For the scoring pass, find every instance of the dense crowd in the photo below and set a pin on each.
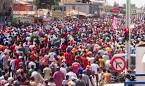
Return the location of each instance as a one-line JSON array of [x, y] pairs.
[[70, 52]]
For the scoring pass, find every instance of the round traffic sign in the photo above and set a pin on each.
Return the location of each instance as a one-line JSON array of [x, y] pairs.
[[118, 64]]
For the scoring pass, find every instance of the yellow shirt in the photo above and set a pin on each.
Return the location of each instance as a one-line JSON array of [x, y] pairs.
[[102, 63]]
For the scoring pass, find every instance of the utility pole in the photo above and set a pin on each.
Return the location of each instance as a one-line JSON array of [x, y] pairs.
[[129, 29]]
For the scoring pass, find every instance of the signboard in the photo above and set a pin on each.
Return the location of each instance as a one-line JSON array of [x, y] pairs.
[[118, 64]]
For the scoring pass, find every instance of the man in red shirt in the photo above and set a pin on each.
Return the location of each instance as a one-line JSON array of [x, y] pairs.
[[84, 61], [69, 58]]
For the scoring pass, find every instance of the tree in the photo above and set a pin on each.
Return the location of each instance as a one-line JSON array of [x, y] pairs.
[[47, 4], [85, 1]]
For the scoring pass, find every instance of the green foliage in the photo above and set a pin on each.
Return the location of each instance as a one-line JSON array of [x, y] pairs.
[[46, 4]]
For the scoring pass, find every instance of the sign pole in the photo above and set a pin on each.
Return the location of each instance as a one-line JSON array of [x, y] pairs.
[[129, 29]]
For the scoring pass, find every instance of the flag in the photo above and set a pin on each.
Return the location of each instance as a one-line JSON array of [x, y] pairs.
[[114, 23]]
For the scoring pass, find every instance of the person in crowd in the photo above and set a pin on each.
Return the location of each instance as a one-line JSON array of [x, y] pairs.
[[107, 77], [65, 82], [32, 53], [80, 81], [32, 82], [63, 69], [71, 74], [37, 77], [51, 82], [47, 73], [58, 77], [85, 77], [95, 68]]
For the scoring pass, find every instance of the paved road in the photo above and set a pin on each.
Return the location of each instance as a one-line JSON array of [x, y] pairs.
[[119, 84]]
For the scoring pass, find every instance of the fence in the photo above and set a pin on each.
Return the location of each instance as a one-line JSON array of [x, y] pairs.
[[136, 83]]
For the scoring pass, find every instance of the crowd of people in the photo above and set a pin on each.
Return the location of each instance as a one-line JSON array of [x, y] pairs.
[[69, 52]]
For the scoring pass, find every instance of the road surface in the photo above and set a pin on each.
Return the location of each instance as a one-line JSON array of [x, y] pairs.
[[118, 84]]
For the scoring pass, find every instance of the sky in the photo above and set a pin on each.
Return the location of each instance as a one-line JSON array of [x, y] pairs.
[[139, 3]]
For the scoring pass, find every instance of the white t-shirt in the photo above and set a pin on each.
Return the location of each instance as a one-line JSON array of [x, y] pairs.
[[63, 70], [31, 63], [71, 75], [51, 84], [37, 77], [12, 63], [52, 56], [94, 68]]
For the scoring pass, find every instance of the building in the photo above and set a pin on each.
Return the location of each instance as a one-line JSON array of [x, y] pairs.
[[83, 6], [81, 9], [5, 9], [5, 5], [23, 7]]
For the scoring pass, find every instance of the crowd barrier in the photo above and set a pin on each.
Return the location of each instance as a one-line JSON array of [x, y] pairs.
[[135, 83]]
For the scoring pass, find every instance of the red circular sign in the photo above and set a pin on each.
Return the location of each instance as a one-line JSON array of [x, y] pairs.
[[118, 64]]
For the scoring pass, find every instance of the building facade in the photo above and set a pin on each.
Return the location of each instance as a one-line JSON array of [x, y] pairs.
[[23, 7], [81, 8], [5, 5], [5, 9]]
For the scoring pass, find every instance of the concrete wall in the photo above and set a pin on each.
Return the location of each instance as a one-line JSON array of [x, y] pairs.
[[140, 67]]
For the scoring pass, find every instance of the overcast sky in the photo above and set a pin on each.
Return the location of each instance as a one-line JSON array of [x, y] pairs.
[[138, 3]]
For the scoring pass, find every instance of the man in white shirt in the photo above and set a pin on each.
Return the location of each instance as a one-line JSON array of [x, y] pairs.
[[94, 68], [32, 63], [63, 69], [52, 56], [71, 74], [37, 77]]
